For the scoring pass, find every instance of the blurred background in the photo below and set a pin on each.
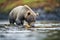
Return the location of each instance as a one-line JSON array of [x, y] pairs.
[[47, 9]]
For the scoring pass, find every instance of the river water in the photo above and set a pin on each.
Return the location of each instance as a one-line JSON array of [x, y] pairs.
[[15, 33]]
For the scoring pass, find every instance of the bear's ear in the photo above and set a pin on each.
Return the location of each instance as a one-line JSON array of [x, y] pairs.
[[28, 13]]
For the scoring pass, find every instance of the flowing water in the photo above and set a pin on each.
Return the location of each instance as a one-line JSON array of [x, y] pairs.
[[16, 33]]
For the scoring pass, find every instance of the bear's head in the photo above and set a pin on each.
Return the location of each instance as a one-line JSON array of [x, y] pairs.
[[30, 17]]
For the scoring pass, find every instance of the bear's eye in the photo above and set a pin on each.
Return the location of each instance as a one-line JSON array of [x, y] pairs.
[[29, 13]]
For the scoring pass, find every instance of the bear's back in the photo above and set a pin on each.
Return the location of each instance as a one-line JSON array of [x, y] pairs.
[[18, 11]]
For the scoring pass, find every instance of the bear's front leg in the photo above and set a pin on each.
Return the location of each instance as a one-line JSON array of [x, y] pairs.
[[11, 20], [19, 22]]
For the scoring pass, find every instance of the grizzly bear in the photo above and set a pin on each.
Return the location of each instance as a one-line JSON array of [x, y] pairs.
[[21, 13]]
